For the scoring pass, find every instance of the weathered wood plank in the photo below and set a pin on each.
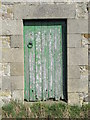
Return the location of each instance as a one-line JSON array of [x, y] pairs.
[[38, 35]]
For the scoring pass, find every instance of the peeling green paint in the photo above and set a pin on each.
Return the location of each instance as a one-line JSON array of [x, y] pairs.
[[43, 62]]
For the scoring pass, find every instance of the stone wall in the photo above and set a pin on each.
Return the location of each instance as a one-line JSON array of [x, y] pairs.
[[12, 52]]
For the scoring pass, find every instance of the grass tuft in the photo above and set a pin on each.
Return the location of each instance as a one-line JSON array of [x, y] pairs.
[[43, 110]]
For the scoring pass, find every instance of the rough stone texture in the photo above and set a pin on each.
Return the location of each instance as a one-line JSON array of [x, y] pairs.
[[77, 98], [6, 84], [17, 69], [81, 10], [17, 82], [47, 1], [5, 40], [18, 95], [12, 51], [28, 11], [11, 27], [77, 26], [78, 56], [74, 40], [7, 11], [12, 83], [12, 55], [78, 85], [0, 54], [0, 83], [73, 72], [0, 69], [73, 98], [84, 41], [16, 41], [5, 69], [0, 26]]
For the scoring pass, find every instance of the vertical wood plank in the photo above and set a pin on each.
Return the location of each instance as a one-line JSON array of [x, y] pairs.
[[44, 62], [26, 63], [51, 60], [38, 35], [32, 63], [58, 63]]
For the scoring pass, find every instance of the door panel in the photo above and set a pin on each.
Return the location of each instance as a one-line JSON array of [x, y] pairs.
[[43, 61], [38, 41]]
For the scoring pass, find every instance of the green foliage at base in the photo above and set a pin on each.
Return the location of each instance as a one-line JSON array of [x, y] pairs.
[[44, 110]]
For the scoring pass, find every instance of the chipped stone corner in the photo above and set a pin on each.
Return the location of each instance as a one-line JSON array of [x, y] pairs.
[[81, 10], [85, 40], [83, 98]]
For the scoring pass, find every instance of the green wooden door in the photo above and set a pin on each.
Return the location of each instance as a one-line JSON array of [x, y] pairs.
[[43, 61]]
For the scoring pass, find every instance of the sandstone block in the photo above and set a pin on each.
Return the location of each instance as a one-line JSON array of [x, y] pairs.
[[17, 82], [81, 10], [77, 26], [78, 85], [18, 95], [5, 41], [6, 83], [12, 55], [73, 99], [77, 56], [0, 82], [7, 11], [73, 72], [0, 54], [16, 41], [30, 11], [5, 69], [11, 27], [74, 40], [17, 69]]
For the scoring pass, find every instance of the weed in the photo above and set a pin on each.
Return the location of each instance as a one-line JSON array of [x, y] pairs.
[[44, 110]]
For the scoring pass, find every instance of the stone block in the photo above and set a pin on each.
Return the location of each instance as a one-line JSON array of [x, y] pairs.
[[17, 82], [73, 72], [41, 1], [0, 54], [0, 26], [12, 55], [31, 11], [0, 69], [0, 83], [0, 42], [83, 70], [17, 41], [5, 41], [17, 69], [77, 26], [6, 83], [81, 10], [35, 1], [12, 27], [78, 85], [84, 41], [73, 99], [77, 56], [7, 11], [18, 95], [74, 40], [89, 58], [5, 69], [5, 97]]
